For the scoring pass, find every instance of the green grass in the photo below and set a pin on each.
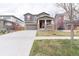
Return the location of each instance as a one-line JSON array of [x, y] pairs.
[[55, 33], [1, 33], [55, 48]]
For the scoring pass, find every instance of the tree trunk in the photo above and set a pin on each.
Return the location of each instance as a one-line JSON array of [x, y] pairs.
[[72, 31], [72, 27]]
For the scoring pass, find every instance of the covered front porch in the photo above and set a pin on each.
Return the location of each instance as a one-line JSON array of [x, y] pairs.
[[45, 23]]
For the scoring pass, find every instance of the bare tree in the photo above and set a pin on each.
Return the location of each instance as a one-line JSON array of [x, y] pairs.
[[71, 11], [68, 7]]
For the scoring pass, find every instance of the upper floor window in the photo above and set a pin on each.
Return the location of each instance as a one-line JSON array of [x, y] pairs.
[[29, 17], [6, 17]]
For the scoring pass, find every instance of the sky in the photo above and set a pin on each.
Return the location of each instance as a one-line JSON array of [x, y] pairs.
[[19, 9]]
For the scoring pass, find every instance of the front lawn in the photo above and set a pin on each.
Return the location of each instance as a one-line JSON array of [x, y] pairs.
[[55, 33], [55, 48]]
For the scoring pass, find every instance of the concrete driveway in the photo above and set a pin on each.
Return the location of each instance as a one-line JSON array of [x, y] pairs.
[[17, 43]]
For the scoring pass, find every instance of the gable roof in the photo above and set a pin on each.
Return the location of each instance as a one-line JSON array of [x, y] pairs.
[[36, 14], [27, 14], [46, 17], [43, 13]]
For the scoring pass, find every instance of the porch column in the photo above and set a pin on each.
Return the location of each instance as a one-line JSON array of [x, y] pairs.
[[38, 25], [45, 24], [53, 26]]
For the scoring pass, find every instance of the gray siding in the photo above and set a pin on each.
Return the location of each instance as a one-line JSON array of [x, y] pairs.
[[30, 22]]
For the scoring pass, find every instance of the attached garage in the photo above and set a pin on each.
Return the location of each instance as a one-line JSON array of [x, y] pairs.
[[31, 26]]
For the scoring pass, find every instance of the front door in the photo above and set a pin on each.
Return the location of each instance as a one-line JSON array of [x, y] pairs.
[[42, 24]]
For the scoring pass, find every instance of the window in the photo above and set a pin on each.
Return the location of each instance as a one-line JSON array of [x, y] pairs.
[[29, 17], [8, 24], [48, 22], [5, 17]]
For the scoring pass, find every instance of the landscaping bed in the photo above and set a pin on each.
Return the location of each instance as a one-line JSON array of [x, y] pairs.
[[55, 48]]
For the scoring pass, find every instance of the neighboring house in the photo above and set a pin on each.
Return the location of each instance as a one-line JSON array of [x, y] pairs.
[[10, 23], [42, 21], [67, 25], [11, 18], [59, 21], [6, 25]]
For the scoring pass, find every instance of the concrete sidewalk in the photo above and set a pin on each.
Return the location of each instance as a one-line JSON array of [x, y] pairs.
[[17, 43], [54, 37]]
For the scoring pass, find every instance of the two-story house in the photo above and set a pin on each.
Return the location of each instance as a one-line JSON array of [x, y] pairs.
[[59, 22], [42, 21]]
